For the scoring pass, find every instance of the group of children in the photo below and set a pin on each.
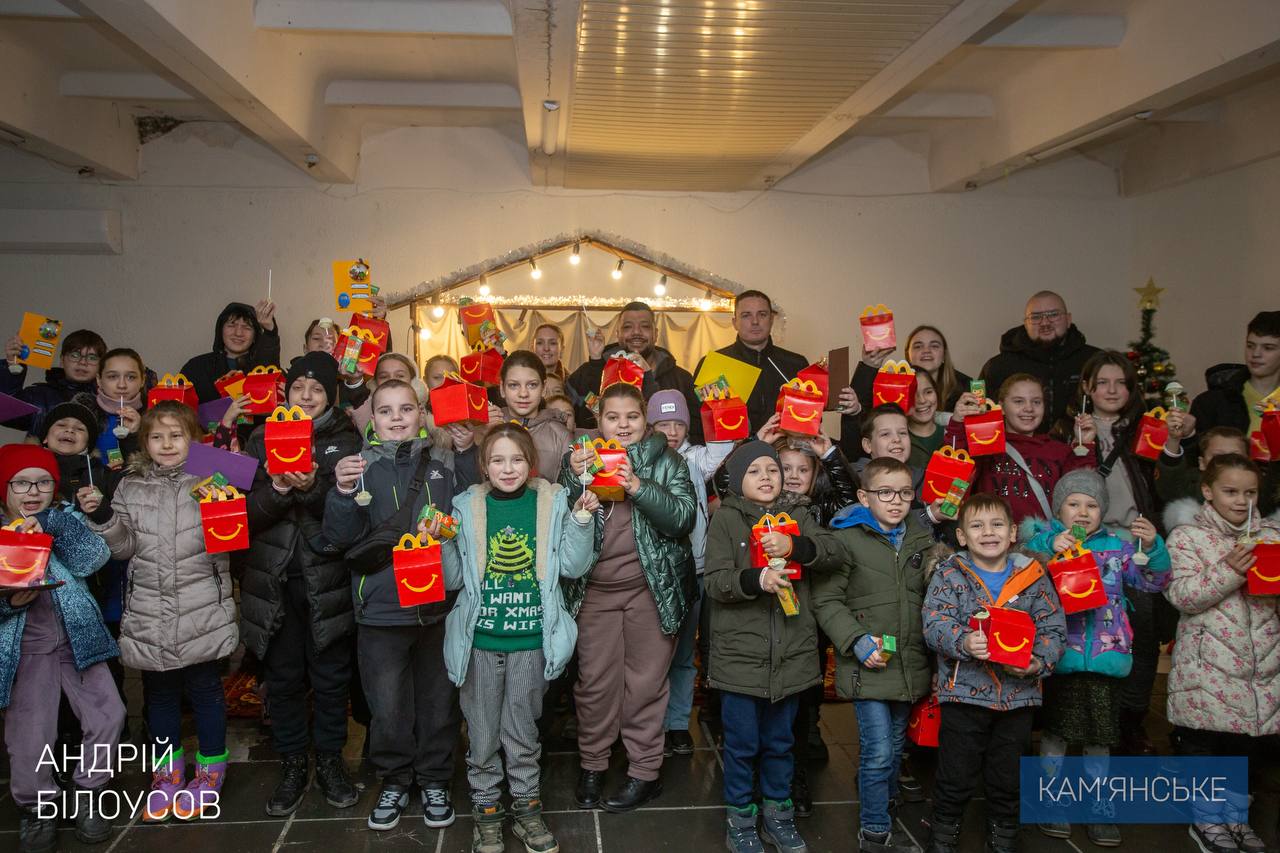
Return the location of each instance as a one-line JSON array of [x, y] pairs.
[[544, 576]]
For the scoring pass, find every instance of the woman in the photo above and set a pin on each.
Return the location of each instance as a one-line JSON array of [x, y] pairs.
[[548, 345]]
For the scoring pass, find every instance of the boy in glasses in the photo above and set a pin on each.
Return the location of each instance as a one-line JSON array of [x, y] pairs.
[[82, 353], [870, 608]]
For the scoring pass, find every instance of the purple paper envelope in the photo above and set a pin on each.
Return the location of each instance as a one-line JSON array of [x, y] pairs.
[[212, 411], [205, 460], [12, 407]]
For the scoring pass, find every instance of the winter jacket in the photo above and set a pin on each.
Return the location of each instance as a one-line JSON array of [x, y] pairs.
[[54, 390], [663, 516], [757, 650], [1222, 403], [1058, 366], [1226, 658], [76, 554], [835, 484], [203, 370], [285, 536], [178, 607], [108, 583], [956, 593], [704, 460], [564, 551], [1140, 472], [1101, 640], [998, 474], [777, 367], [876, 590], [664, 374], [550, 439]]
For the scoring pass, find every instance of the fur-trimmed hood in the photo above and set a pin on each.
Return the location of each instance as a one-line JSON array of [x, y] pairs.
[[1187, 511]]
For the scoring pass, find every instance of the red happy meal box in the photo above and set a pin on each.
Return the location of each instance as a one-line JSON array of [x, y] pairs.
[[476, 318], [1259, 451], [264, 386], [230, 384], [985, 432], [23, 556], [286, 437], [482, 366], [945, 465], [819, 376], [174, 387], [379, 330], [456, 400], [1271, 428], [800, 403], [1264, 574], [1010, 634], [769, 523], [1153, 432], [1077, 579], [225, 520], [724, 418], [895, 384], [356, 351], [419, 572], [607, 485], [621, 369], [877, 328], [924, 722]]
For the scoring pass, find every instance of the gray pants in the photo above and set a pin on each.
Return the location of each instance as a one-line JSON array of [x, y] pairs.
[[501, 699], [31, 723]]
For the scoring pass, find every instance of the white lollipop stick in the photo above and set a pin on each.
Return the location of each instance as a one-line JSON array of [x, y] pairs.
[[268, 285]]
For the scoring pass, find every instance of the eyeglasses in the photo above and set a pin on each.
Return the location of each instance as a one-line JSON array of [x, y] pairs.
[[22, 487], [84, 357], [887, 495], [1046, 316]]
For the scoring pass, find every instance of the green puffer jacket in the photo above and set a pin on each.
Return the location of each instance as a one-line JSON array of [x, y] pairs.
[[756, 650], [664, 517], [878, 591]]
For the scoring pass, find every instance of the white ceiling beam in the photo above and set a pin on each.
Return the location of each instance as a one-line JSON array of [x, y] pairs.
[[1170, 55], [120, 86], [60, 232], [271, 90], [94, 135], [35, 9], [943, 105], [417, 17], [546, 41], [1050, 32], [396, 93]]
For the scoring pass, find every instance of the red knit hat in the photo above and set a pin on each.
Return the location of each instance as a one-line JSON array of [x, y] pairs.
[[16, 457]]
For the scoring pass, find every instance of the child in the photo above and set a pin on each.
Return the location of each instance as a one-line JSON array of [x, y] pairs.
[[986, 711], [1178, 478], [876, 593], [1025, 474], [926, 432], [1084, 701], [244, 337], [563, 407], [436, 369], [401, 650], [631, 605], [523, 376], [391, 365], [295, 600], [517, 537], [179, 616], [669, 413], [1225, 675], [761, 659], [53, 642], [120, 400], [81, 355]]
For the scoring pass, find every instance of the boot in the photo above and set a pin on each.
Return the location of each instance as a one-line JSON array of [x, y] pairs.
[[293, 784], [529, 827], [590, 789], [780, 827], [91, 826], [1002, 837], [166, 781], [801, 798], [740, 830], [1133, 734], [36, 834], [882, 842], [943, 835], [331, 774], [486, 828], [204, 790]]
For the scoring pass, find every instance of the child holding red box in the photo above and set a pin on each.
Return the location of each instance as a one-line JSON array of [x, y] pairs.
[[1083, 702], [524, 380], [986, 709], [180, 618], [1224, 685], [510, 633]]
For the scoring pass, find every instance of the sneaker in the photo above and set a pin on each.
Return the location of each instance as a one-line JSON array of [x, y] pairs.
[[668, 748], [437, 810], [882, 842], [909, 787], [740, 830], [780, 827], [486, 828], [203, 790], [530, 828], [1246, 839], [1213, 838], [1108, 835], [36, 834], [680, 742], [292, 787], [1055, 830], [392, 802], [335, 784]]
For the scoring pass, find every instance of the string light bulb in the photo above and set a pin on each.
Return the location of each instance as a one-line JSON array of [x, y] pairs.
[[617, 271], [575, 258], [660, 289], [425, 333], [704, 304], [484, 290], [437, 311], [534, 272]]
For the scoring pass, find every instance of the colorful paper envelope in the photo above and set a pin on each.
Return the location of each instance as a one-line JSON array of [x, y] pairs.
[[352, 285], [39, 335], [742, 377]]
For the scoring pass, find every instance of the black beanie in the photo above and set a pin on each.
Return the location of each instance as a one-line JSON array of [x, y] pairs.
[[319, 366], [83, 407], [740, 460]]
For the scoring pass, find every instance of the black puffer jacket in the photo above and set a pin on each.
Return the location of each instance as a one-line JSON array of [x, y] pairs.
[[777, 367], [285, 535], [1058, 366], [664, 375], [203, 370], [1222, 404]]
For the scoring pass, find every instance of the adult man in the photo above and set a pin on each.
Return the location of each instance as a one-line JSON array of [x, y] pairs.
[[638, 333], [1048, 346], [1236, 391], [82, 352], [753, 321]]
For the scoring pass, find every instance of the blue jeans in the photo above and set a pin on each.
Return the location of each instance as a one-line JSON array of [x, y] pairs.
[[882, 728], [683, 673], [203, 685], [757, 732]]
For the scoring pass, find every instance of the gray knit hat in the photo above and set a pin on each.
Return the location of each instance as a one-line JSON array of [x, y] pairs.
[[1084, 481], [740, 460]]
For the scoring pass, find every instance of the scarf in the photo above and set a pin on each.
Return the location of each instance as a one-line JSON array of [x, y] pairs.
[[111, 405]]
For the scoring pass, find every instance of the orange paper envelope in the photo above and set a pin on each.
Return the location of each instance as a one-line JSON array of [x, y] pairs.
[[39, 335]]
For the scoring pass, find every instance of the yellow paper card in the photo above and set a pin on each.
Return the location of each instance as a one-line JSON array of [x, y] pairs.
[[39, 336], [352, 285], [742, 377]]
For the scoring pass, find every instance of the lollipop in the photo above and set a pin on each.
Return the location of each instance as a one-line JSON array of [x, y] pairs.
[[1139, 557], [120, 431], [1080, 449], [15, 367], [363, 498]]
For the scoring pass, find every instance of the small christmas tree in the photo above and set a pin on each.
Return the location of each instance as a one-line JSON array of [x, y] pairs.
[[1155, 370]]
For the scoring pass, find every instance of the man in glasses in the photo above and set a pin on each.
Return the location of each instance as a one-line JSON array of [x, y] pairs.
[[1048, 346], [82, 352]]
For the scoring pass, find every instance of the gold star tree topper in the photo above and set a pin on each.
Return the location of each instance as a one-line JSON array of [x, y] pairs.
[[1149, 296]]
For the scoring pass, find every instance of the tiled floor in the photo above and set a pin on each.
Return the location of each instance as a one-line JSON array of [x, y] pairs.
[[688, 816]]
